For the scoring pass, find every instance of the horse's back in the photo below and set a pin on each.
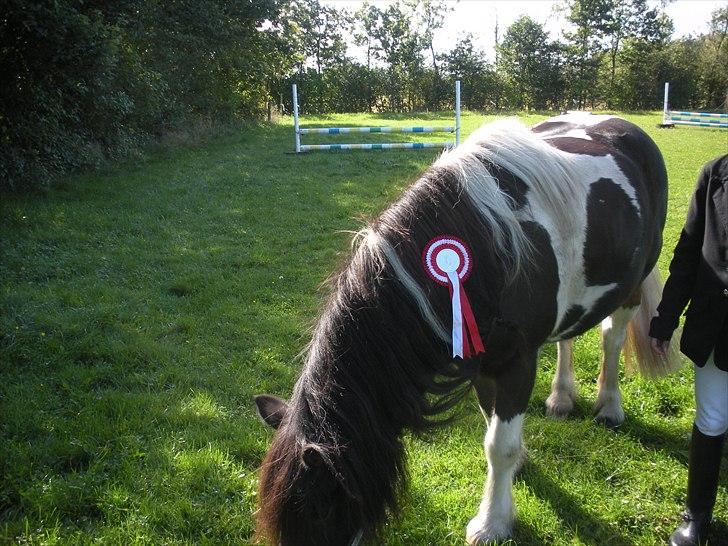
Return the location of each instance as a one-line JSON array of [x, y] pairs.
[[618, 238], [639, 159], [635, 152]]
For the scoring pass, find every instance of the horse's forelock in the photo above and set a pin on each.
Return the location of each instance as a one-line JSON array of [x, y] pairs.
[[301, 460]]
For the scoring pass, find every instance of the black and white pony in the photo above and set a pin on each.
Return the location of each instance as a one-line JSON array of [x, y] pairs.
[[564, 226]]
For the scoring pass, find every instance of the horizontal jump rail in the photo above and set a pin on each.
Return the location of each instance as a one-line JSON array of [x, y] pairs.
[[378, 146], [698, 114], [700, 120], [341, 130], [699, 123]]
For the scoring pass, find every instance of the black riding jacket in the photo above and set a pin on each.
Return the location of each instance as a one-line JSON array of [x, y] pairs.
[[699, 273]]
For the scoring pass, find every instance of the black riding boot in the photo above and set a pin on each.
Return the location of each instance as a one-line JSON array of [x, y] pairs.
[[704, 465]]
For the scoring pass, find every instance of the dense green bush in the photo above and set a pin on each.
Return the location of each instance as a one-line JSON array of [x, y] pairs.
[[89, 81]]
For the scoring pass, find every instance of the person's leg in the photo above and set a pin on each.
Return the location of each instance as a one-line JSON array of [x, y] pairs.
[[711, 399], [711, 423]]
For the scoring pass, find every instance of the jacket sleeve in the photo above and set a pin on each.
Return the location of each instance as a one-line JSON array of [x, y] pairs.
[[684, 266]]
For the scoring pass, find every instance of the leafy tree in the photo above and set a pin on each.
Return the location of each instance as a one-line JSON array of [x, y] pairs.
[[643, 61], [530, 63], [318, 33], [366, 20], [714, 62], [630, 20], [591, 20], [480, 84], [400, 48], [680, 67], [429, 16]]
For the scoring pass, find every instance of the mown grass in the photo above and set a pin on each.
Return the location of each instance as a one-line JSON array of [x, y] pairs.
[[141, 308]]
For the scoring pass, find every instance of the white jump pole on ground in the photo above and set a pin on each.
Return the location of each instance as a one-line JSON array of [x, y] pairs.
[[295, 119], [457, 113], [665, 119]]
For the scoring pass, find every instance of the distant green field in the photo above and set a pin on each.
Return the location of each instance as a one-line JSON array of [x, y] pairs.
[[143, 307]]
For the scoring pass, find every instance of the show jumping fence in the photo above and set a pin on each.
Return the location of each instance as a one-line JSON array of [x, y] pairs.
[[387, 129], [701, 119]]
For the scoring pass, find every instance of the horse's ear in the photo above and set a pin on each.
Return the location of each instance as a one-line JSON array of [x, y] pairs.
[[271, 409]]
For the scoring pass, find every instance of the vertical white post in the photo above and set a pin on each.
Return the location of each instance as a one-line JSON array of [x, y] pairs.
[[295, 119], [665, 119], [457, 113]]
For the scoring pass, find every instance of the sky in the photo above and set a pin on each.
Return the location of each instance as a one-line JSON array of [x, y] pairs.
[[478, 18]]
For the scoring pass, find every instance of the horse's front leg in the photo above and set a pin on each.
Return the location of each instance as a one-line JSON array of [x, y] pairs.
[[504, 450], [560, 402], [608, 407]]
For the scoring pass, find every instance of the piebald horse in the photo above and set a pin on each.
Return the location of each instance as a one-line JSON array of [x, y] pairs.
[[560, 228]]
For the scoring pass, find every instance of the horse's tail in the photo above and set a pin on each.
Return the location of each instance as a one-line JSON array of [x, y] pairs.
[[637, 346]]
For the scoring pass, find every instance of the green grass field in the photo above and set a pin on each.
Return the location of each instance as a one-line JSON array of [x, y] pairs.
[[143, 307]]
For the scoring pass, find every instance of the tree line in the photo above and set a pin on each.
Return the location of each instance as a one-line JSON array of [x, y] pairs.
[[88, 81], [614, 54]]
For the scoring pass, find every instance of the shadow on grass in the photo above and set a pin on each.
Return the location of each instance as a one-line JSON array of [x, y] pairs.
[[591, 530], [662, 439], [674, 445]]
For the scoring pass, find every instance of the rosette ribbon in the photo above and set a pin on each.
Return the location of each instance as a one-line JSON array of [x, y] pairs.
[[447, 261]]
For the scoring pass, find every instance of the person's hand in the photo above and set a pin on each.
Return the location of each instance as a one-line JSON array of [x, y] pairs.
[[660, 346]]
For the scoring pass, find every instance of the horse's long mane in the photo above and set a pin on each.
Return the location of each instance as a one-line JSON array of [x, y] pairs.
[[549, 176], [379, 361]]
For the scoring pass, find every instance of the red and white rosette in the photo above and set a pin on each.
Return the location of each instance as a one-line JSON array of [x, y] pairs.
[[447, 261]]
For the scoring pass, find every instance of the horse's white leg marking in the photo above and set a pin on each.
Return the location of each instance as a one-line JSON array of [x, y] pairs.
[[504, 451], [608, 407], [563, 393]]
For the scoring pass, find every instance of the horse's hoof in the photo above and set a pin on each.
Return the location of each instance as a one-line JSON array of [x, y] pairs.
[[559, 406], [608, 423], [609, 419], [608, 411], [480, 532]]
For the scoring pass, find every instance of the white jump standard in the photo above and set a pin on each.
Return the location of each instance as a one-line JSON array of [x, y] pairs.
[[699, 119], [300, 148]]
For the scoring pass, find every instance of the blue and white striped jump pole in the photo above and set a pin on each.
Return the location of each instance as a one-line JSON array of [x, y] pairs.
[[699, 114], [665, 115], [386, 129], [699, 123], [700, 119], [375, 146]]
